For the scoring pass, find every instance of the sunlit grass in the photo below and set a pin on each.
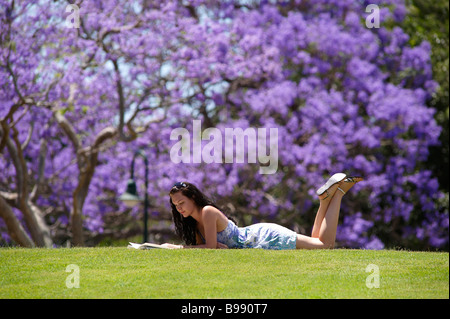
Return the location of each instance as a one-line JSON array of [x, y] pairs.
[[195, 273]]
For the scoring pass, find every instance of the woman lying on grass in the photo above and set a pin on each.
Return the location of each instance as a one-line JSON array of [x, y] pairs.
[[202, 225]]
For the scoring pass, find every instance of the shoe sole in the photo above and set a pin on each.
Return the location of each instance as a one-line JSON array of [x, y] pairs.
[[336, 178]]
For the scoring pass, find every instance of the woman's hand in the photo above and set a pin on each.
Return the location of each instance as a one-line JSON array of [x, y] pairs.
[[221, 246]]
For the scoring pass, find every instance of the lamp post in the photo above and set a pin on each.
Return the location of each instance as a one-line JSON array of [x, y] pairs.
[[131, 198]]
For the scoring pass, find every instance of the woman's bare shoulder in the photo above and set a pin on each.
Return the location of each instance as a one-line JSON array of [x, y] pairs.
[[212, 212]]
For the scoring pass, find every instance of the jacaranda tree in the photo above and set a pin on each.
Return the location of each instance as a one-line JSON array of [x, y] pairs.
[[85, 84]]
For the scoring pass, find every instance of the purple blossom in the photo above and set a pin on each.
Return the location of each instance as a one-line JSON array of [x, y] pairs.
[[343, 97]]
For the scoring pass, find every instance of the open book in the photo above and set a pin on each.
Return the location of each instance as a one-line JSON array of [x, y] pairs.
[[146, 246]]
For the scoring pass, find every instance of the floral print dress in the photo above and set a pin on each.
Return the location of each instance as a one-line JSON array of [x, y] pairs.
[[261, 235]]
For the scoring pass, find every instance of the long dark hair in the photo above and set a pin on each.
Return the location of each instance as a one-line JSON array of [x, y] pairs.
[[186, 227]]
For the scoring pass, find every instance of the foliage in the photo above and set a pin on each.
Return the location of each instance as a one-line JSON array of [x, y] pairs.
[[429, 21], [77, 102]]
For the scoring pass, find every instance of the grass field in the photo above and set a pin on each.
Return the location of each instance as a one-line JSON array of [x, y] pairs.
[[195, 273]]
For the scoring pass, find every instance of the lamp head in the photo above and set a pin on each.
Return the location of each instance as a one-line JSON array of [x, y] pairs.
[[130, 198]]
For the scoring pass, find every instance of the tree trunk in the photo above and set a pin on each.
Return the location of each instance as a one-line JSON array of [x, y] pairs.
[[39, 231], [13, 225], [87, 161], [79, 196], [39, 224]]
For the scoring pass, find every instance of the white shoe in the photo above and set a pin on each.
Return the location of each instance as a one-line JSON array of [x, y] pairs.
[[336, 178]]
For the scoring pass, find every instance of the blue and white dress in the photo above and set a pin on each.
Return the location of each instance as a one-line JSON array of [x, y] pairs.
[[262, 235]]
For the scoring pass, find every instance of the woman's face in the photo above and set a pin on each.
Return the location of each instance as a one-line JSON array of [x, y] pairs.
[[184, 205]]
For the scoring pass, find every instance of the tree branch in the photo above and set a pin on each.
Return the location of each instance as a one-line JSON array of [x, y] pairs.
[[15, 229], [67, 128]]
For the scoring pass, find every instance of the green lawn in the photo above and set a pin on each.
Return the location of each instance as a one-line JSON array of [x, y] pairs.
[[195, 273]]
